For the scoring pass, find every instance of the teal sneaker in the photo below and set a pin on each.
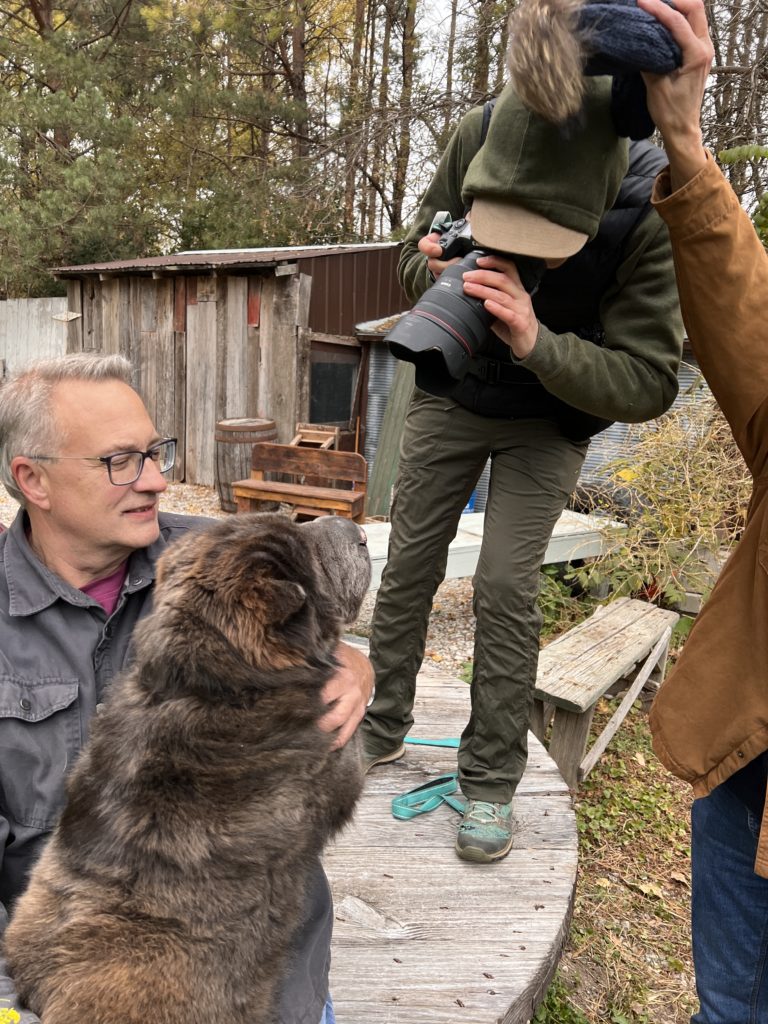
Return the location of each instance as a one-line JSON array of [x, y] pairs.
[[370, 760], [485, 833]]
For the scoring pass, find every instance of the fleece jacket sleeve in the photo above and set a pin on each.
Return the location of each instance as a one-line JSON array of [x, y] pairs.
[[632, 377], [442, 193]]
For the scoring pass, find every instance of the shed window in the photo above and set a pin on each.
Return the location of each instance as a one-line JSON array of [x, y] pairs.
[[332, 382]]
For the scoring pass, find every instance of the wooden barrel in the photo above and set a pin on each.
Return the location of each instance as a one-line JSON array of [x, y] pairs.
[[234, 442]]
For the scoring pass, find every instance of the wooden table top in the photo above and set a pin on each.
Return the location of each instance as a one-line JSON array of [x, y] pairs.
[[422, 937]]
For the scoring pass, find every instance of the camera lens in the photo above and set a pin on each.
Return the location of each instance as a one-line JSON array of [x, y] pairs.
[[444, 330]]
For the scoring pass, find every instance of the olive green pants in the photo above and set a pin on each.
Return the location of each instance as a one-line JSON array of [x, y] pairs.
[[534, 470]]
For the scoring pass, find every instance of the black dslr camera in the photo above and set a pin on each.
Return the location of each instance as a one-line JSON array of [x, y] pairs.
[[446, 328]]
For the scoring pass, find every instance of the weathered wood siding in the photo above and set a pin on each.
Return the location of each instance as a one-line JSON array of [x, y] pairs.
[[29, 332], [134, 317], [210, 343], [204, 348]]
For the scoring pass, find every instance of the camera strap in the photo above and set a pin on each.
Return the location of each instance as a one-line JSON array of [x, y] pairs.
[[494, 371]]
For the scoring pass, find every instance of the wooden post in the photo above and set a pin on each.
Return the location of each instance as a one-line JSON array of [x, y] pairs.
[[387, 458]]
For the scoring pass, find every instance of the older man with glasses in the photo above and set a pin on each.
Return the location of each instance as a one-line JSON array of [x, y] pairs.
[[79, 452]]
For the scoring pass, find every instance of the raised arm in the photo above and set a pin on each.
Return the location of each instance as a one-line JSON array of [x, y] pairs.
[[442, 193], [721, 265]]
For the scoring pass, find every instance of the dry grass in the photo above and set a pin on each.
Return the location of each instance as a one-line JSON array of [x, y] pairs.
[[682, 489], [628, 958]]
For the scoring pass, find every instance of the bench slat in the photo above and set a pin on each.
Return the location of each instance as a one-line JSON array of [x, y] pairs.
[[324, 462], [318, 497], [581, 666], [277, 487]]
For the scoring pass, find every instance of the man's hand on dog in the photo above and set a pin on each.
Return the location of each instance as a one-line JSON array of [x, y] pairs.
[[347, 694]]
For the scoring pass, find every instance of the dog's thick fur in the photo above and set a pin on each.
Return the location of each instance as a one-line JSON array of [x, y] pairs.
[[546, 56], [175, 878]]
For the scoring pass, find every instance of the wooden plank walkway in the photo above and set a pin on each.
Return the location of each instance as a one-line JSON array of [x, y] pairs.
[[575, 536], [421, 937]]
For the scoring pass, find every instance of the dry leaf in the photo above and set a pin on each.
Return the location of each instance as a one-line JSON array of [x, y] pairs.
[[651, 889]]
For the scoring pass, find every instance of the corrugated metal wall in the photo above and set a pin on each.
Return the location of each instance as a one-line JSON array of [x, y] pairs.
[[609, 445]]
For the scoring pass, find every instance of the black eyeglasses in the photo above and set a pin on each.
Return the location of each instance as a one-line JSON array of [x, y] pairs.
[[125, 468]]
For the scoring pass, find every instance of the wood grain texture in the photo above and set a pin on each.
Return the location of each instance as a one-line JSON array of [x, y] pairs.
[[421, 937], [200, 390], [579, 667], [387, 460], [278, 352]]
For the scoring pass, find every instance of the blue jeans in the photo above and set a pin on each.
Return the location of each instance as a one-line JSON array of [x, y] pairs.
[[729, 912], [328, 1017]]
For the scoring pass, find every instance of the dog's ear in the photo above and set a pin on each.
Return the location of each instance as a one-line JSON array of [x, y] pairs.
[[281, 599]]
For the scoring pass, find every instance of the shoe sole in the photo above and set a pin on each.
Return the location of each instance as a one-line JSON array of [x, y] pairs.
[[478, 856], [395, 755]]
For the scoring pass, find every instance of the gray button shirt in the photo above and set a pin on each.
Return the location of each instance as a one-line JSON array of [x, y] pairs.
[[59, 652]]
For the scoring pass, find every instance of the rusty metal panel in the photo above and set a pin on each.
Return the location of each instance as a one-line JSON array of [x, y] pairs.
[[350, 287]]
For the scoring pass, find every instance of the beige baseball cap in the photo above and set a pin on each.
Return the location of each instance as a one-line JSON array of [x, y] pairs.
[[538, 189]]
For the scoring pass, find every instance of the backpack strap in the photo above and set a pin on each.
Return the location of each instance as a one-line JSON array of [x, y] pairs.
[[487, 111]]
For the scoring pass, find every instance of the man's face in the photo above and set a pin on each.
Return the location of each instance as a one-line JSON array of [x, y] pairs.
[[86, 509]]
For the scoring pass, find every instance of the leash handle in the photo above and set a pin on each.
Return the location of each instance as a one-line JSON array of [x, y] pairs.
[[427, 797]]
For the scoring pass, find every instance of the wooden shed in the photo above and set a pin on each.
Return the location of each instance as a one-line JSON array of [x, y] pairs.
[[237, 333]]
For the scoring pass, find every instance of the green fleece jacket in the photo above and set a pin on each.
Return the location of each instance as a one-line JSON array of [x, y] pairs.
[[633, 376]]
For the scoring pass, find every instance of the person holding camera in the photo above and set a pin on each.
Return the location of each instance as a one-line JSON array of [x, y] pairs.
[[600, 340]]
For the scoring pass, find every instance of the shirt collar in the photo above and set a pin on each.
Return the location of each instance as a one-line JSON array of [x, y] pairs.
[[33, 587]]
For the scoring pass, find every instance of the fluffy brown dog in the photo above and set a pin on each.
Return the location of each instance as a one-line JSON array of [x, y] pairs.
[[171, 887]]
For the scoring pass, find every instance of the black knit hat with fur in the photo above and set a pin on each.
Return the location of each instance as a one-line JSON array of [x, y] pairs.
[[554, 44]]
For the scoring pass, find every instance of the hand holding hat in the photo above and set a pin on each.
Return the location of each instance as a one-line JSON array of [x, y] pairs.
[[554, 44]]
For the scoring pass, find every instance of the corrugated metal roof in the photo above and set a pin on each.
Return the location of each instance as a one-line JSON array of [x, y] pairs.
[[215, 259]]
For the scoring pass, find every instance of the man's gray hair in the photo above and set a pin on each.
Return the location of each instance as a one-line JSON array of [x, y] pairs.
[[26, 420]]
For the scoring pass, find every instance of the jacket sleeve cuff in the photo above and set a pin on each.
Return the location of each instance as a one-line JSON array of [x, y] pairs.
[[546, 357]]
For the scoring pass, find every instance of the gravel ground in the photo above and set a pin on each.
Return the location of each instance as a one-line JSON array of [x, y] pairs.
[[451, 627]]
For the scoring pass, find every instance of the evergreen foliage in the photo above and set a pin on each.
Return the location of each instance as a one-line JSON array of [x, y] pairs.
[[137, 127]]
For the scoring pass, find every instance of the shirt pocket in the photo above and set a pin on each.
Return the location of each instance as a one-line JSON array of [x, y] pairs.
[[40, 737]]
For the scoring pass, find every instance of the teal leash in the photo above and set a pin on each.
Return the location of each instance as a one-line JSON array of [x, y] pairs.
[[433, 743], [428, 797], [431, 794]]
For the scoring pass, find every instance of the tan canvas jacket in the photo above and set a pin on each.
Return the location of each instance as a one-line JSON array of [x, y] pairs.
[[710, 718]]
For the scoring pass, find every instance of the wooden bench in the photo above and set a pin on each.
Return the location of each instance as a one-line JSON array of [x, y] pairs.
[[623, 644], [343, 475]]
